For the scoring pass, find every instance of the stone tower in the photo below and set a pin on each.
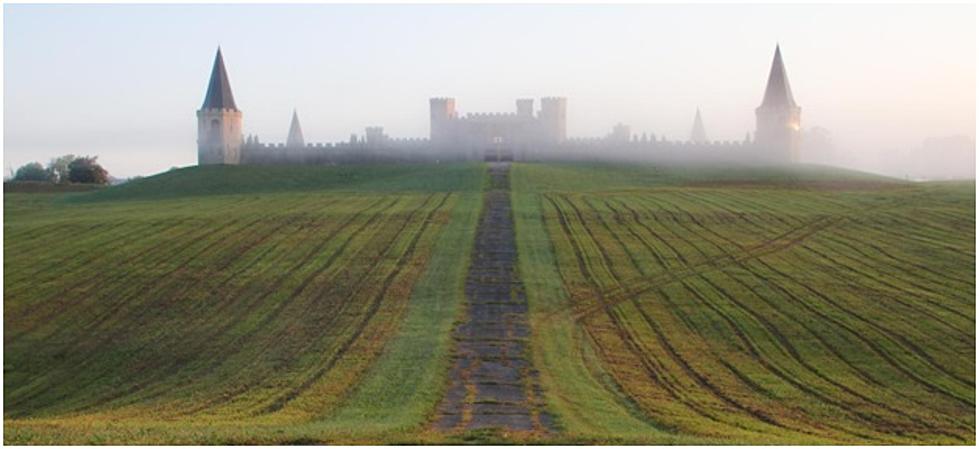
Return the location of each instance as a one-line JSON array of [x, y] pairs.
[[443, 112], [554, 118], [698, 134], [778, 117], [295, 139], [219, 137], [525, 107]]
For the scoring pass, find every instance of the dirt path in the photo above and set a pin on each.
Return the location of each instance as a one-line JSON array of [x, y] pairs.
[[492, 383]]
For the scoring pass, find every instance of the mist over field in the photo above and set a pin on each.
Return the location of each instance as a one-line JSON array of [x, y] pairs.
[[888, 89]]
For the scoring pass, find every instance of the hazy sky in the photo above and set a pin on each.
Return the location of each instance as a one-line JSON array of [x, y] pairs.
[[124, 81]]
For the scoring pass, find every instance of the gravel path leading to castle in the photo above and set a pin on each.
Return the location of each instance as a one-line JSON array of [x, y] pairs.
[[492, 382]]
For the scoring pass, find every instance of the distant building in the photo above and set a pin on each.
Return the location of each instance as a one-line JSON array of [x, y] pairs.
[[498, 135], [698, 135], [522, 135], [295, 139], [778, 118], [219, 137]]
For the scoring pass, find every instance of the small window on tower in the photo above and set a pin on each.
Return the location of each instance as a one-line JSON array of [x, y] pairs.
[[214, 135]]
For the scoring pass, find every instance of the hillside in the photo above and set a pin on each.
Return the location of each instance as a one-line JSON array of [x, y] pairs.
[[244, 179], [320, 304]]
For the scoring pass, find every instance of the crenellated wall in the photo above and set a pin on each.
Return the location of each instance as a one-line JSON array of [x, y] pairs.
[[523, 135]]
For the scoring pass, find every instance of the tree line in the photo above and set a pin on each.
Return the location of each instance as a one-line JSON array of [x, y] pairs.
[[65, 169]]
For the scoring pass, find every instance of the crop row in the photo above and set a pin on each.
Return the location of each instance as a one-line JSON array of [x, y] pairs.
[[763, 314], [227, 312]]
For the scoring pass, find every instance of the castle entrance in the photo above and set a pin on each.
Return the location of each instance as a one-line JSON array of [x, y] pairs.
[[498, 151]]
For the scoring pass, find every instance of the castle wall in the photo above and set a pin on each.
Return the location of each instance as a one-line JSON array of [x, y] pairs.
[[521, 135]]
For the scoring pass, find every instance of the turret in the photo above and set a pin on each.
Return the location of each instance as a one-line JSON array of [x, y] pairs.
[[219, 137], [553, 115], [295, 139], [443, 111], [698, 134], [778, 119], [525, 107]]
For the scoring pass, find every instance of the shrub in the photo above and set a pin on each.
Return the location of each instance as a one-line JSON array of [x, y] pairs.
[[33, 171], [58, 167], [87, 171]]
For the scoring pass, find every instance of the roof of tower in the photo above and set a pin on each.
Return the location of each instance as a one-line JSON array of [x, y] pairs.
[[219, 89], [778, 92], [295, 138], [698, 134]]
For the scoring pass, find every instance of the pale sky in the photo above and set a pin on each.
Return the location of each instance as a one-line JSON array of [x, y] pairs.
[[123, 81]]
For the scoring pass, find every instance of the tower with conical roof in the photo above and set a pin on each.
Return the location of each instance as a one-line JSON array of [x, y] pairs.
[[698, 134], [295, 139], [778, 117], [219, 137]]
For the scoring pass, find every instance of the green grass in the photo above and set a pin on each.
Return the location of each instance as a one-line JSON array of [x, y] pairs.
[[800, 306], [275, 316], [255, 179], [668, 305]]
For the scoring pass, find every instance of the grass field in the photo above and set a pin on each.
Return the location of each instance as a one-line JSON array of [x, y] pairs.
[[802, 308], [218, 318], [316, 304]]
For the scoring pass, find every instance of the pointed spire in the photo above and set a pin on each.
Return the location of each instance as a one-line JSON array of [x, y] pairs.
[[219, 89], [698, 135], [777, 92], [295, 139]]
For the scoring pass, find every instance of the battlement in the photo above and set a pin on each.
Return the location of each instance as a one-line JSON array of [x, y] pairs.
[[491, 116], [525, 133]]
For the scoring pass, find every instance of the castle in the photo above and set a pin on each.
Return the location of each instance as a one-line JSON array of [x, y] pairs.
[[526, 134]]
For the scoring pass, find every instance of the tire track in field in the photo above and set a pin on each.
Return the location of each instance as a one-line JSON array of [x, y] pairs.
[[329, 265], [28, 235], [890, 335], [350, 296], [147, 381], [375, 305], [754, 351], [700, 379], [653, 369], [922, 238], [492, 383], [33, 288], [916, 307], [57, 302], [250, 309], [73, 257], [176, 364], [67, 244], [765, 323], [110, 310], [896, 261], [616, 237], [865, 376], [240, 313], [883, 353], [829, 346], [793, 352], [645, 243], [950, 435], [781, 242]]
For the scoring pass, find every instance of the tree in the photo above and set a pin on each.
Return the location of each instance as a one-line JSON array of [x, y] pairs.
[[33, 171], [59, 167], [87, 171]]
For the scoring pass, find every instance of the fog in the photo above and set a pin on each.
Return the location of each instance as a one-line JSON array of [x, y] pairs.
[[883, 88]]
